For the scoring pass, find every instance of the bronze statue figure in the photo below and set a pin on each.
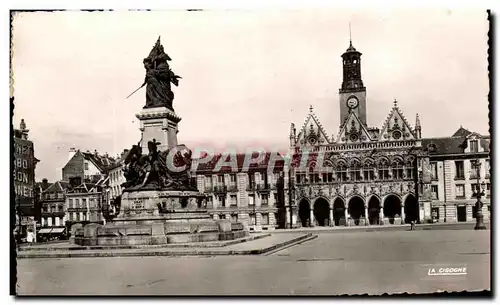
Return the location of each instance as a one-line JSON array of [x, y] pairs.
[[151, 171], [158, 78]]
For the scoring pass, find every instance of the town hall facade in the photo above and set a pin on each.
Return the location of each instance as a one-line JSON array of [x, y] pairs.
[[366, 175]]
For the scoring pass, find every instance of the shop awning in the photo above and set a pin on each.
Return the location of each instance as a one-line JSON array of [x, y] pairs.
[[58, 230], [45, 231]]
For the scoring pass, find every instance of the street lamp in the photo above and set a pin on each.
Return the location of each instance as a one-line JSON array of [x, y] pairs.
[[478, 193]]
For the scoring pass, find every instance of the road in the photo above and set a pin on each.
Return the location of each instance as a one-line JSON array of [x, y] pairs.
[[332, 264]]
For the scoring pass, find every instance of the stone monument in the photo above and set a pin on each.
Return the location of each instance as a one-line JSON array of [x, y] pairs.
[[159, 205]]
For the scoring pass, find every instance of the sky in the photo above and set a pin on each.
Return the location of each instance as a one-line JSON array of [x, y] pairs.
[[246, 75]]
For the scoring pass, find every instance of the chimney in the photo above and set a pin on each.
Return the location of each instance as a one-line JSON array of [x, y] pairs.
[[45, 183], [72, 152]]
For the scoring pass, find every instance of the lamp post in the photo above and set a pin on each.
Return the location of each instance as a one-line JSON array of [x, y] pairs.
[[478, 193], [291, 190]]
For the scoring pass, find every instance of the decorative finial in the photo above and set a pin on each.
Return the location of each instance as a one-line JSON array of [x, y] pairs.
[[311, 108], [417, 122], [22, 125], [395, 103]]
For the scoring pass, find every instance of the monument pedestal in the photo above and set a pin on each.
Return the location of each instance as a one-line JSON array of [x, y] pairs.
[[159, 123], [152, 217]]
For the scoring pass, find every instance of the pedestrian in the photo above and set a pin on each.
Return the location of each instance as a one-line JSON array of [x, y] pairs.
[[30, 237], [412, 225]]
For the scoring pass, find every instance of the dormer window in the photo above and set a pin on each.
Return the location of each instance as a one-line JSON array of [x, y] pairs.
[[431, 147], [473, 144]]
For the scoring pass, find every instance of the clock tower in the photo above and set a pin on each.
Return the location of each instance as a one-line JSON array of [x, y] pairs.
[[352, 93]]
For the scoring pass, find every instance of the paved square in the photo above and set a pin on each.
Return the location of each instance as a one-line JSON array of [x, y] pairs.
[[332, 264]]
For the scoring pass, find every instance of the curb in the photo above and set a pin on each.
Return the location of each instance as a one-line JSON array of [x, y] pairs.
[[290, 243], [217, 244], [420, 227]]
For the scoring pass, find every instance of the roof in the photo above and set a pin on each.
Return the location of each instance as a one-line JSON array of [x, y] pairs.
[[101, 162], [461, 132], [455, 144], [350, 49], [58, 186], [240, 161], [118, 162]]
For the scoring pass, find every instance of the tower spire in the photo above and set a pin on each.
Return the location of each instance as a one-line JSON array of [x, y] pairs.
[[350, 37]]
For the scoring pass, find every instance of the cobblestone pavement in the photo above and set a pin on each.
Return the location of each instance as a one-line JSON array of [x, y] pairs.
[[332, 264]]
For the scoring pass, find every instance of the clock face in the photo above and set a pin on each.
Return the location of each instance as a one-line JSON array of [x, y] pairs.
[[352, 102]]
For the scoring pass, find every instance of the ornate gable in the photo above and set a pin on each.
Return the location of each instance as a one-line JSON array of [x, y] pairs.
[[396, 127], [353, 130], [312, 132]]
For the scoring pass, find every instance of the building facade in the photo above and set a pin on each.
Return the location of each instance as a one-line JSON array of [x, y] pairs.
[[53, 215], [90, 167], [116, 179], [24, 180], [456, 177], [85, 202], [249, 195], [363, 175]]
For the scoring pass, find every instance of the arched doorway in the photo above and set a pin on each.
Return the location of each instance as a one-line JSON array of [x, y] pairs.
[[392, 207], [411, 209], [356, 209], [304, 212], [374, 210], [322, 212], [338, 211]]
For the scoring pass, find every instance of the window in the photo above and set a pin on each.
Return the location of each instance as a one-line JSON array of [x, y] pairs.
[[368, 171], [233, 178], [208, 181], [474, 187], [251, 200], [251, 179], [222, 200], [383, 170], [397, 170], [84, 203], [86, 165], [77, 203], [265, 199], [459, 170], [487, 168], [330, 177], [298, 179], [434, 192], [45, 209], [234, 218], [60, 208], [222, 216], [70, 216], [488, 189], [234, 200], [460, 191], [265, 219], [341, 172], [410, 169], [434, 172], [251, 221], [275, 197], [220, 179], [473, 146], [435, 213], [355, 171]]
